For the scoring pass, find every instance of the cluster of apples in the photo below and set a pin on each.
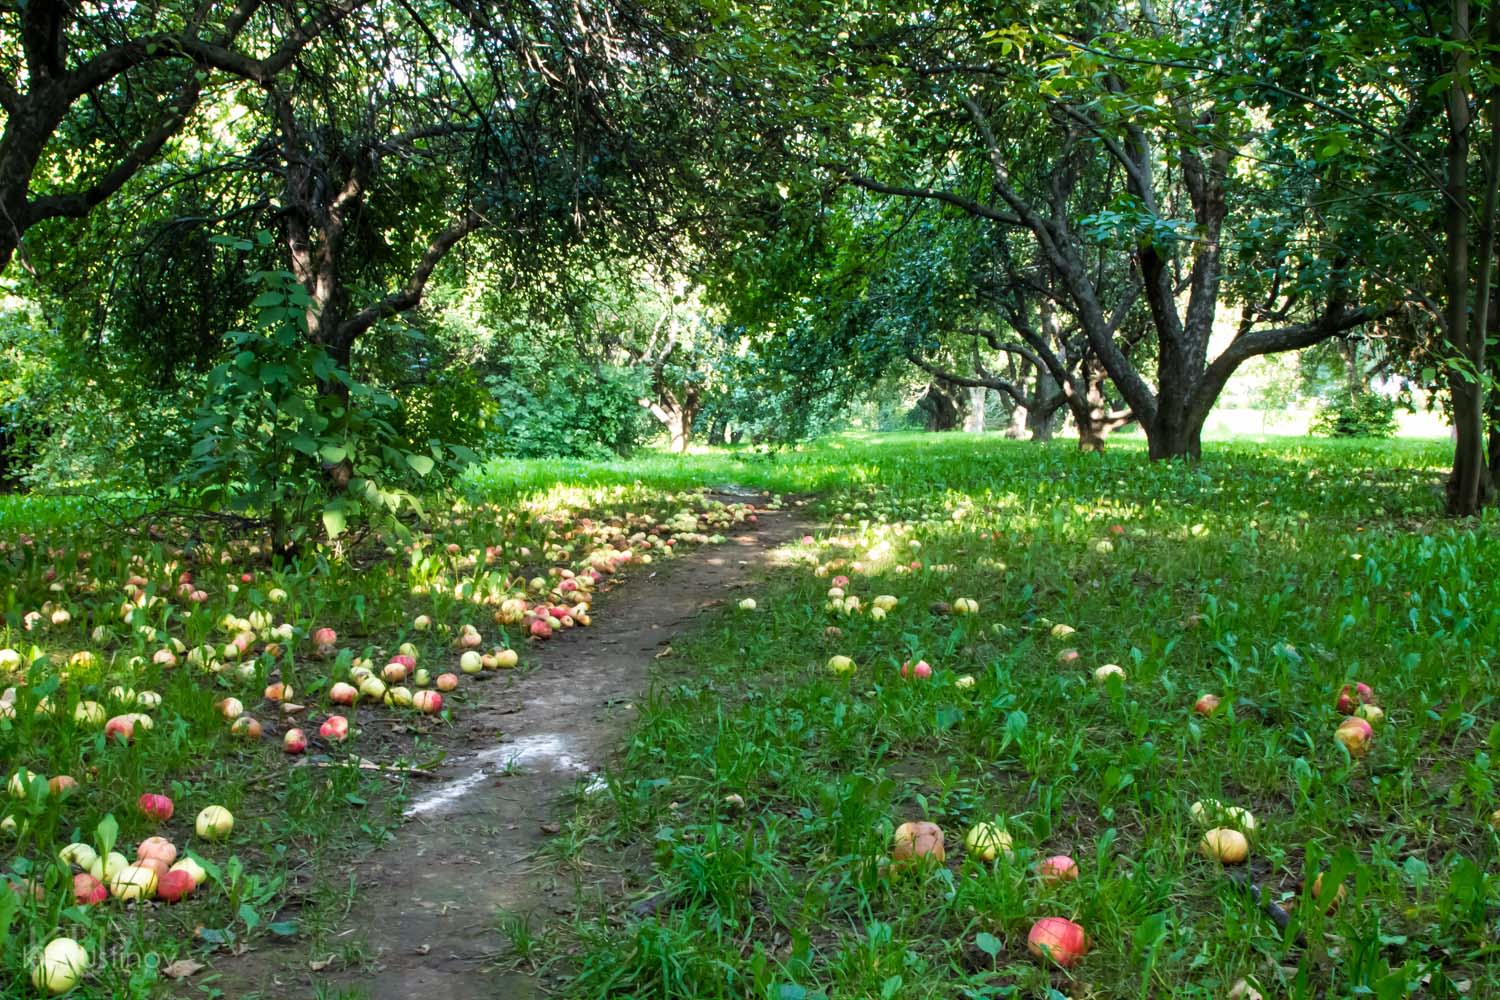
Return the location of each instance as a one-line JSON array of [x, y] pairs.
[[1356, 703], [1053, 939], [158, 872]]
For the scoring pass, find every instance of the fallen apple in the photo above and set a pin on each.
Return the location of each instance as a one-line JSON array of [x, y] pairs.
[[59, 967], [88, 890], [506, 659], [159, 848], [1057, 869], [1104, 673], [1355, 734], [214, 823], [921, 670], [427, 702], [294, 741], [133, 882], [840, 665], [82, 855], [157, 807], [176, 885], [230, 708], [246, 728], [194, 870], [748, 604], [446, 682], [1057, 940], [918, 840], [89, 713], [21, 781], [1317, 894], [113, 863], [62, 785], [1206, 704], [1351, 697], [1371, 713], [343, 694], [335, 727], [965, 606], [1226, 846], [471, 662], [987, 841]]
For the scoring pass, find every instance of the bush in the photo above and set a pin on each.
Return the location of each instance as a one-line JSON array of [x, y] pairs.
[[572, 410], [1367, 415]]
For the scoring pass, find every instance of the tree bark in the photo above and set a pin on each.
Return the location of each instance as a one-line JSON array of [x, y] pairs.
[[974, 422], [1467, 487]]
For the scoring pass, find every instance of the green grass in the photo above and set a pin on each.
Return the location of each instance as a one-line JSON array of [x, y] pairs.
[[67, 564], [1271, 575]]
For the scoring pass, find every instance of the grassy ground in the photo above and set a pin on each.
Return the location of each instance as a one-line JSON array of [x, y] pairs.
[[1271, 576], [102, 618]]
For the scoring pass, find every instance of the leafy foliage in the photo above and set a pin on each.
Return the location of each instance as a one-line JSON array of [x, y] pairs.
[[282, 419], [1364, 414]]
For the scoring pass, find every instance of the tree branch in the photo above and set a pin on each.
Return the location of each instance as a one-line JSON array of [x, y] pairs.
[[967, 382], [959, 201], [79, 203], [409, 295]]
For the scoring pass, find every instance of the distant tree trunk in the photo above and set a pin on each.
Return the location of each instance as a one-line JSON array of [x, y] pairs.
[[1020, 419], [1468, 486], [974, 422], [941, 410], [677, 414]]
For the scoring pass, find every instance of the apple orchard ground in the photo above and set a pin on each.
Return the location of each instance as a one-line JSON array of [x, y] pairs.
[[740, 844]]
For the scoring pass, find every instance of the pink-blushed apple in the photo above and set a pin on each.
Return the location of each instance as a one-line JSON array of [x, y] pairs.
[[154, 806], [294, 741], [335, 727], [1058, 868], [1058, 940]]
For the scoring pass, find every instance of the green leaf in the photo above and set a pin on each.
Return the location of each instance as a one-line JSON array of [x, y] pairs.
[[249, 916], [421, 463], [333, 454], [333, 521], [106, 833], [989, 944]]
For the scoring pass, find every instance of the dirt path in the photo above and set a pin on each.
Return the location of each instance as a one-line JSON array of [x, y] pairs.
[[427, 902]]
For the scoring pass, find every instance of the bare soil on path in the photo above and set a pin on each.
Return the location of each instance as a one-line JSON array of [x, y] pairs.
[[426, 905]]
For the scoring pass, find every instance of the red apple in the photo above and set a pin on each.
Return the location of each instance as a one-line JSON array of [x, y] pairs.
[[335, 727], [343, 694], [324, 636], [1062, 941], [446, 682], [427, 702], [175, 885], [157, 807], [294, 741], [1207, 704], [1352, 698], [1058, 868], [88, 890]]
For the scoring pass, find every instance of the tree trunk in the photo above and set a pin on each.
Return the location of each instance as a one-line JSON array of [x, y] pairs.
[[941, 410], [1020, 419], [974, 422], [1175, 433], [1467, 484]]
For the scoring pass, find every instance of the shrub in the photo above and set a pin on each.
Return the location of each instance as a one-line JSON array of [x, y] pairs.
[[1367, 415]]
